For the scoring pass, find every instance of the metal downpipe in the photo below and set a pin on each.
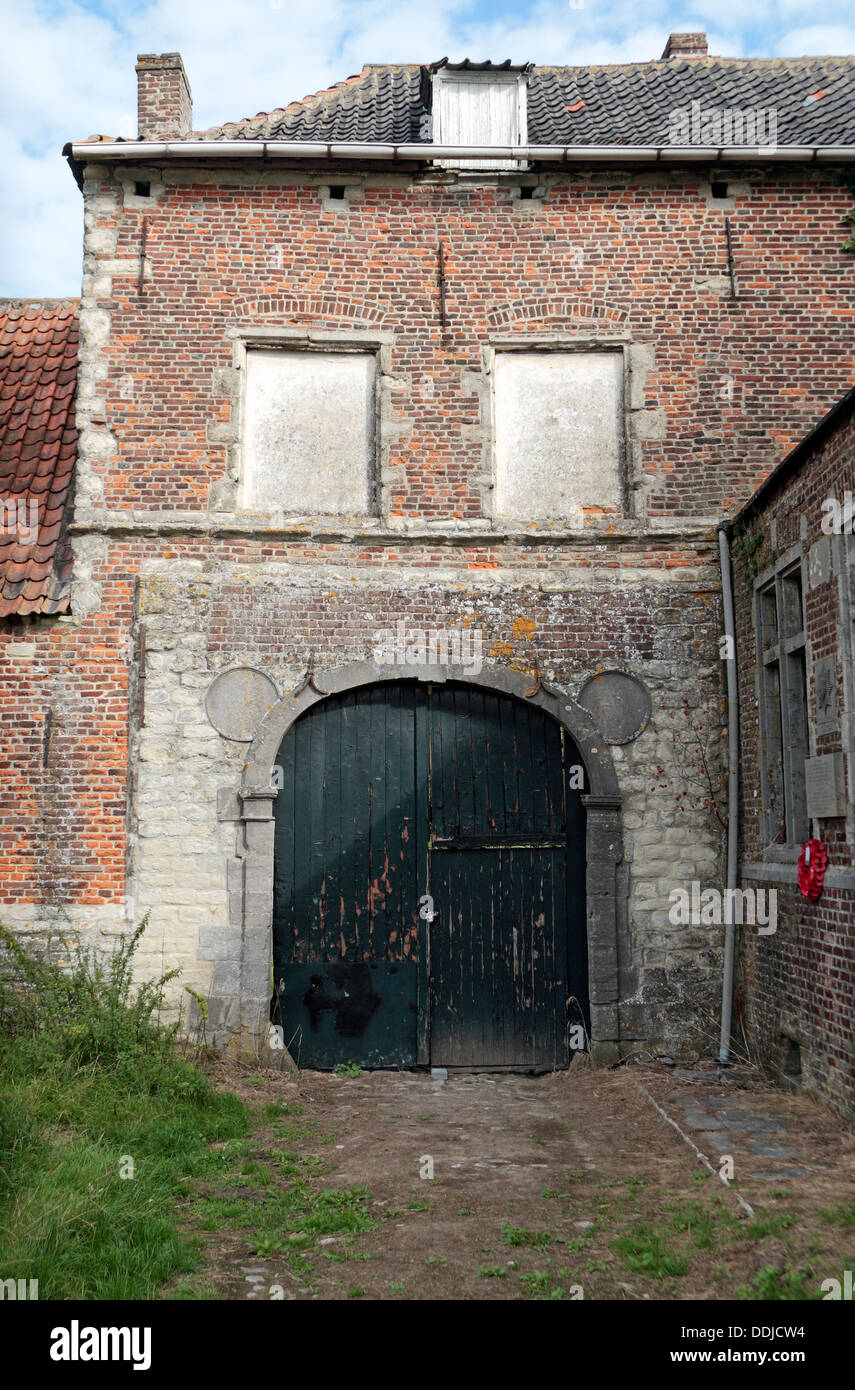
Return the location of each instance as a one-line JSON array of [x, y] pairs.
[[732, 790]]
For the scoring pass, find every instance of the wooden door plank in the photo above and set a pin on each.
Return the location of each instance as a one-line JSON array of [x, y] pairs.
[[464, 728], [499, 967], [337, 944], [421, 765], [349, 819], [338, 824]]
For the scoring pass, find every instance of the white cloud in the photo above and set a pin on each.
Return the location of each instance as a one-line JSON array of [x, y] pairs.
[[817, 39], [67, 71]]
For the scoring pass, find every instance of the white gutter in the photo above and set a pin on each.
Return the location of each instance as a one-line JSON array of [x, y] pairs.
[[732, 789], [303, 149]]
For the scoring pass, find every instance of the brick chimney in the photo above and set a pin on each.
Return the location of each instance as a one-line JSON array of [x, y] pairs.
[[685, 46], [164, 104]]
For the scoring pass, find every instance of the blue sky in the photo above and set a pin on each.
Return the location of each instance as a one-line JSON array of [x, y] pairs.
[[67, 71]]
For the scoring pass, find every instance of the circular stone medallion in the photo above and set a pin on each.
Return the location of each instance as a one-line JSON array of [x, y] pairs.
[[619, 703], [237, 700]]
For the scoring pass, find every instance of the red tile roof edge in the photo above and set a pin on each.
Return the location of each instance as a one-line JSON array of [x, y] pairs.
[[38, 449]]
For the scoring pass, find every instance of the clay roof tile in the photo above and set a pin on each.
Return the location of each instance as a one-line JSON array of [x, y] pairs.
[[38, 448]]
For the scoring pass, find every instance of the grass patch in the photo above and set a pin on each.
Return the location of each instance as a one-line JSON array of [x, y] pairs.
[[539, 1286], [645, 1251], [102, 1124], [517, 1235], [842, 1215], [773, 1285], [287, 1217], [697, 1221], [773, 1225], [576, 1243]]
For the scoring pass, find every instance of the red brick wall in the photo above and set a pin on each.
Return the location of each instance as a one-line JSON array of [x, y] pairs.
[[63, 754], [164, 109], [802, 979], [635, 253]]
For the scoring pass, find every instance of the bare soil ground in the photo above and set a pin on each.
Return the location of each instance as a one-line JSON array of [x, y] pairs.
[[392, 1185]]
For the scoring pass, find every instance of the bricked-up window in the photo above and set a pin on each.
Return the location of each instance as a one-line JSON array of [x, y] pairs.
[[783, 706], [309, 431], [558, 434]]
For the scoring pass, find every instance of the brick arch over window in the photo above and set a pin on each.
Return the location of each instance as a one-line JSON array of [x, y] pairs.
[[526, 313], [286, 309], [605, 890]]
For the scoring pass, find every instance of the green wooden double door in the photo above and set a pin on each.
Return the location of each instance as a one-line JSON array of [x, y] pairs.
[[402, 800]]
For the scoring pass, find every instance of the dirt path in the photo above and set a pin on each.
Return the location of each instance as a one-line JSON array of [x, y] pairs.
[[395, 1185]]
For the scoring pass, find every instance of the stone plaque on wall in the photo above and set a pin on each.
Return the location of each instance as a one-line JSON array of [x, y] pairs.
[[825, 676], [237, 700], [619, 703], [825, 786]]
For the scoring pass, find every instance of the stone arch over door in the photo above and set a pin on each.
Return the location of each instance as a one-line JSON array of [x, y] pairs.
[[604, 854]]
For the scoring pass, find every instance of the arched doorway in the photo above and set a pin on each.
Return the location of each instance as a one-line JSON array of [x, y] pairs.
[[401, 799]]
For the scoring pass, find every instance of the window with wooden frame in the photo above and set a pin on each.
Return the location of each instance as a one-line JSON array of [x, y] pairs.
[[782, 676], [472, 107]]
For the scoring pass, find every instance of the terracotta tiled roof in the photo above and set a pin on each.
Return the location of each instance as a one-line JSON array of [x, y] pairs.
[[622, 104], [38, 445]]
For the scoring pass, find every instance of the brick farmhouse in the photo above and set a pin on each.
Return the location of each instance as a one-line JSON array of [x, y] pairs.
[[376, 641]]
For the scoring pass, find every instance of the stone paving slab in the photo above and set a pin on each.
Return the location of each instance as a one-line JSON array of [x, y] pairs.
[[742, 1116]]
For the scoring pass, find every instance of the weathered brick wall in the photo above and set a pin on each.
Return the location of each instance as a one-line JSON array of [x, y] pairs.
[[800, 982], [718, 388], [729, 383], [164, 108], [63, 751]]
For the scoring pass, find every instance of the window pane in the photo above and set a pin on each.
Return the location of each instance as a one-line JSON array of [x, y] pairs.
[[792, 616], [558, 419], [797, 746], [309, 432], [768, 619], [772, 755]]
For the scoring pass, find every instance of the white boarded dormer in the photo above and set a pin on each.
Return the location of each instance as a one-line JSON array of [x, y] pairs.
[[476, 104]]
